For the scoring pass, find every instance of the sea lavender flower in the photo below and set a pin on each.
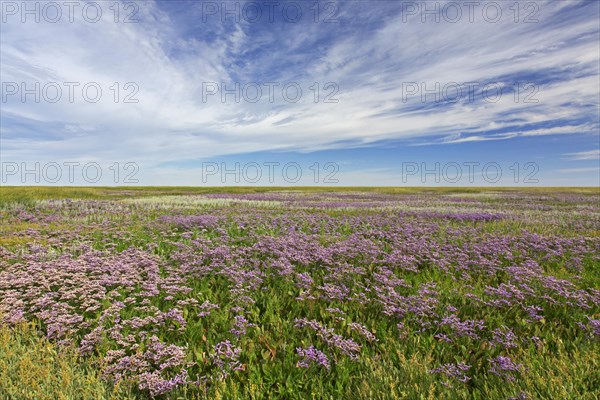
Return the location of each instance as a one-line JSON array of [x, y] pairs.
[[337, 314], [593, 327], [226, 357], [14, 317], [346, 346], [154, 383], [174, 315], [311, 355], [459, 328], [334, 292], [90, 341], [164, 356], [503, 367], [304, 281], [240, 325], [533, 313], [453, 371], [206, 307], [363, 331], [504, 337]]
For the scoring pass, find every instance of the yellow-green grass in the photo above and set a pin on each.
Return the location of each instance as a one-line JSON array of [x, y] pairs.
[[30, 193], [31, 368]]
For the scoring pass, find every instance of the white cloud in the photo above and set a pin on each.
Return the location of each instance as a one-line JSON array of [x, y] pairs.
[[584, 155], [578, 170]]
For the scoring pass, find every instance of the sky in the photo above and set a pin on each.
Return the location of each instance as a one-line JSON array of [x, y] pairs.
[[300, 93]]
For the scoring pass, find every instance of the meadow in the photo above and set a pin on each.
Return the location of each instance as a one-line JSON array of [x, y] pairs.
[[299, 293]]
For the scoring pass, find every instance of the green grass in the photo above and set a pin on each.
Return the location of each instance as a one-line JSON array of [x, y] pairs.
[[26, 194], [31, 368]]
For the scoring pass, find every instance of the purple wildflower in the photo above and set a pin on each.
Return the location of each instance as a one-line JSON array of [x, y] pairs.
[[453, 371], [503, 367], [311, 355], [226, 357], [504, 337]]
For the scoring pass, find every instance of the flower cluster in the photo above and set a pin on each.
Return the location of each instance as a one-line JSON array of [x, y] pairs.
[[311, 355], [453, 371], [503, 367]]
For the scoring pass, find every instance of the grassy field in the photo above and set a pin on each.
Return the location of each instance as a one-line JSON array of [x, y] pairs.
[[295, 293], [11, 194]]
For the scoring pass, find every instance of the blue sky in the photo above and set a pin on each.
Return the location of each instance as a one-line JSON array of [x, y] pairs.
[[365, 92]]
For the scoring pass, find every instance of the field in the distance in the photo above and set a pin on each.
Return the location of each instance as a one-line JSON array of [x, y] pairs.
[[296, 293]]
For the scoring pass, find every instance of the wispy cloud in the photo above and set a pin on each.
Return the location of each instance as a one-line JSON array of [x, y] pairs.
[[578, 170], [584, 155], [557, 130]]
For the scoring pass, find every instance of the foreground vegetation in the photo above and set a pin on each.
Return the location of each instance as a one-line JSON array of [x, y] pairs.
[[33, 368], [239, 293]]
